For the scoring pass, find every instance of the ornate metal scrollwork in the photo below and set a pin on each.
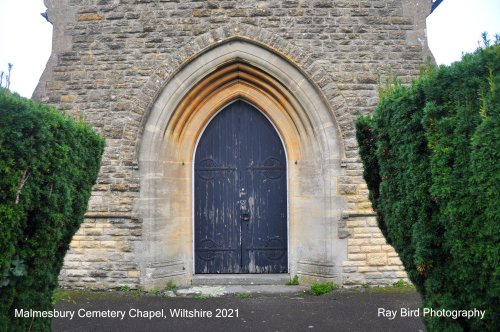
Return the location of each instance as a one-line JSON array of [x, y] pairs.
[[208, 169], [271, 168], [206, 249], [275, 249]]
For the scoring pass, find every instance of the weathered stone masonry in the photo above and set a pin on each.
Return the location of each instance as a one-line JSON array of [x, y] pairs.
[[117, 64]]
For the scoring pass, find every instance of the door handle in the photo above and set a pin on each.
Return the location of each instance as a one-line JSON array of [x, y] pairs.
[[245, 210]]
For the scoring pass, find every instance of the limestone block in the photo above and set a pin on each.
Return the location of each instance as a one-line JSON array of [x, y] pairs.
[[356, 223], [370, 249], [350, 269], [89, 17], [388, 267], [347, 189], [133, 274], [356, 257], [353, 249], [380, 241], [68, 99], [376, 259], [367, 269], [358, 242]]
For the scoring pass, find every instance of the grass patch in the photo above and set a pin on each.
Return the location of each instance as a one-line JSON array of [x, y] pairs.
[[294, 281], [154, 291], [398, 286], [244, 295], [71, 295], [171, 285], [323, 288], [202, 296], [400, 283], [63, 295], [123, 288]]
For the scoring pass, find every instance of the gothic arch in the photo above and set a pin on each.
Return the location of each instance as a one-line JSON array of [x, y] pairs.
[[239, 69], [300, 58]]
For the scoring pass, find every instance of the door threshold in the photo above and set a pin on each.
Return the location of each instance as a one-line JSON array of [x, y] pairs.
[[240, 279]]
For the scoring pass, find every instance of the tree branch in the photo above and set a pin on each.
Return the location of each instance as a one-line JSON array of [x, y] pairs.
[[22, 182]]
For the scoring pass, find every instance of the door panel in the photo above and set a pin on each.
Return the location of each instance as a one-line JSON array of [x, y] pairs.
[[240, 195]]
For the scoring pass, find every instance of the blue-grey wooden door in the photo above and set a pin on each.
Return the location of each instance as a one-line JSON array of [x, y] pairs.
[[240, 195]]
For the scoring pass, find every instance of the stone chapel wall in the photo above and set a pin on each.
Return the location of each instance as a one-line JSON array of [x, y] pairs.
[[111, 58]]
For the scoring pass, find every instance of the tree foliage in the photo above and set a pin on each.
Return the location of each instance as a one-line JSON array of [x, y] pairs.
[[48, 164], [431, 158]]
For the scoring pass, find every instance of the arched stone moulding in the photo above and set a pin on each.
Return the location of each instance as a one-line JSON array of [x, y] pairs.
[[231, 82], [239, 69]]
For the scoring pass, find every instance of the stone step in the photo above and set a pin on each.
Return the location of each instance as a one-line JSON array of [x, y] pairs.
[[240, 279], [216, 291]]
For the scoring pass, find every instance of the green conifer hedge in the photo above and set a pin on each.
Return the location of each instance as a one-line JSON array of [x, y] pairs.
[[48, 164], [431, 155]]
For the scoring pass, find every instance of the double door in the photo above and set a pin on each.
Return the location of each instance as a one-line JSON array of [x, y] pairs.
[[240, 195]]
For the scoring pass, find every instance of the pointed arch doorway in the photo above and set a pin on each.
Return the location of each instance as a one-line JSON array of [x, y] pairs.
[[240, 195], [232, 70]]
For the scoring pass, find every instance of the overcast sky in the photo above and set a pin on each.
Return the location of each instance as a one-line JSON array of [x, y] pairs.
[[26, 38]]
